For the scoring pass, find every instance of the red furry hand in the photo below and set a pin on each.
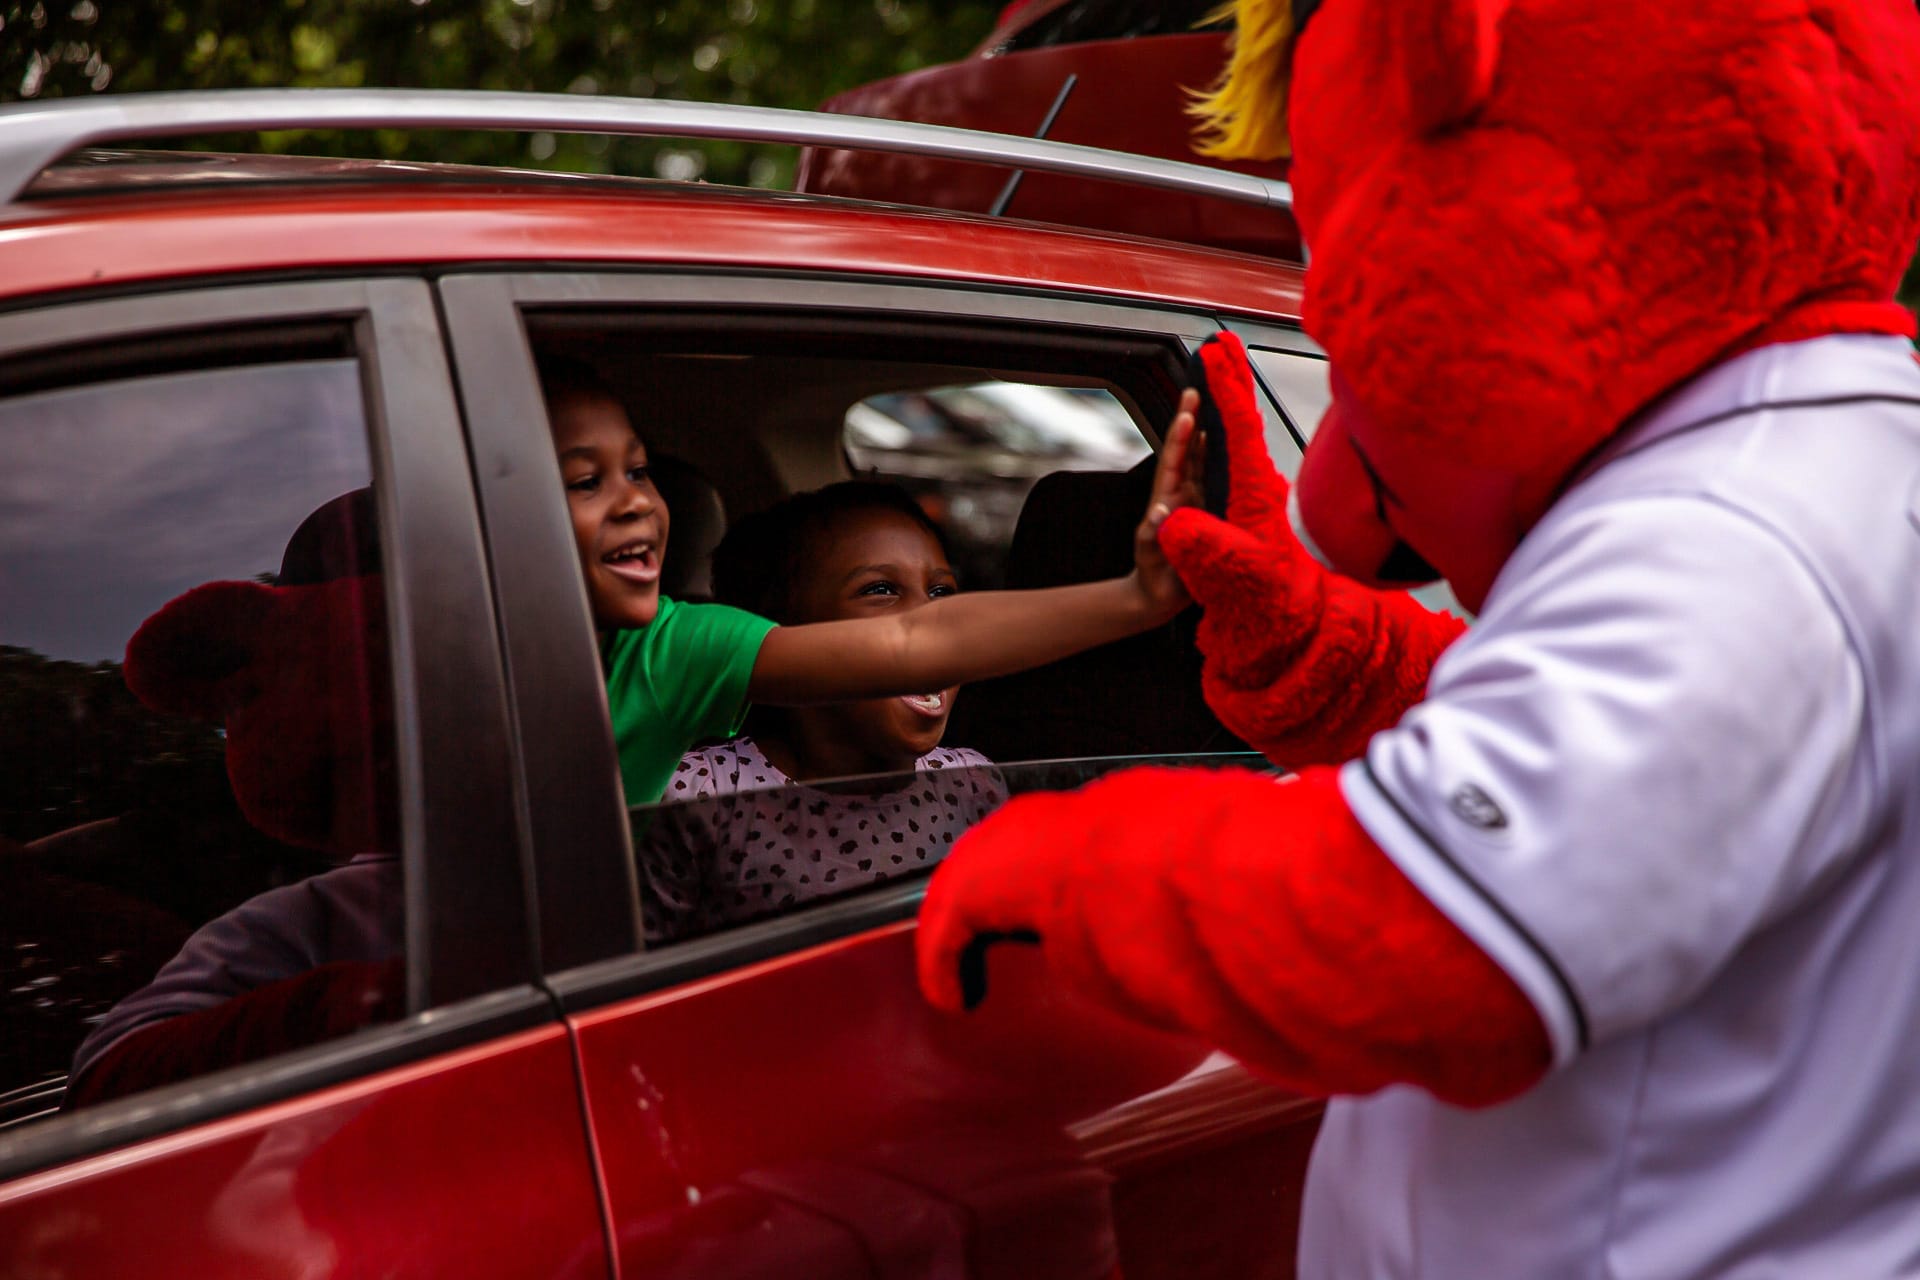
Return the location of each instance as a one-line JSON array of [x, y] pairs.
[[1302, 663], [1251, 912]]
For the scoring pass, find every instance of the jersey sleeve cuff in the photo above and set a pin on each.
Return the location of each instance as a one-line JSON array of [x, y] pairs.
[[1471, 906]]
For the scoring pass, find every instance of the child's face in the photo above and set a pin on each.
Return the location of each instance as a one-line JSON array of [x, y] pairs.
[[619, 520], [866, 564]]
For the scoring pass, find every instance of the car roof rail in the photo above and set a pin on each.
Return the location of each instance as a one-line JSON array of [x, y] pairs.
[[34, 135]]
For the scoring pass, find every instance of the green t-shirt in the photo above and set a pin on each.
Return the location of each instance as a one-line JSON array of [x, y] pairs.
[[675, 682]]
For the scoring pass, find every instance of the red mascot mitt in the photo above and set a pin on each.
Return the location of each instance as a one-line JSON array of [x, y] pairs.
[[1137, 888], [1301, 663]]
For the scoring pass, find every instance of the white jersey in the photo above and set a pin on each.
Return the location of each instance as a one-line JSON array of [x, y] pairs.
[[1670, 782]]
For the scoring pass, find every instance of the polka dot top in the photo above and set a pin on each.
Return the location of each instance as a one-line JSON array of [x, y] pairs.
[[757, 842]]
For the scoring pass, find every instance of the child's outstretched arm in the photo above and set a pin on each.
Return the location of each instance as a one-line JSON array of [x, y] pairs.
[[987, 633]]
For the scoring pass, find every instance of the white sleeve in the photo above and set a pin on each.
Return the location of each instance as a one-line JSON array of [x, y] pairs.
[[350, 913], [1646, 750]]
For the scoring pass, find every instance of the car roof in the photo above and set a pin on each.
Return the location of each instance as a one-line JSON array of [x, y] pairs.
[[110, 218]]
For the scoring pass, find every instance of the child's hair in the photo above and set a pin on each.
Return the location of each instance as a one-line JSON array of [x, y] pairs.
[[566, 376], [762, 556]]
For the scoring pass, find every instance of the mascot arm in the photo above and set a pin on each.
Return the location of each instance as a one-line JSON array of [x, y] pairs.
[[309, 1008], [1249, 911], [1303, 664]]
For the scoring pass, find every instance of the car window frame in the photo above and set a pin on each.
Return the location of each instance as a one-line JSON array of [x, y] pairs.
[[586, 889], [468, 935]]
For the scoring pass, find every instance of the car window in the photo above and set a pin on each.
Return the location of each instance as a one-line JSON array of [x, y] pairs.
[[1299, 384], [1027, 450], [198, 802], [753, 846], [734, 417], [1079, 21]]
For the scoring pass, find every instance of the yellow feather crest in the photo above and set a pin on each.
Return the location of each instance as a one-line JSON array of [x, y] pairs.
[[1244, 115]]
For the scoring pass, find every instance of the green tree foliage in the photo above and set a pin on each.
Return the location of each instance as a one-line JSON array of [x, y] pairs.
[[780, 53]]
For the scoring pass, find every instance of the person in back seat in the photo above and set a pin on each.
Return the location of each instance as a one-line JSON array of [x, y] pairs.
[[857, 549], [679, 673]]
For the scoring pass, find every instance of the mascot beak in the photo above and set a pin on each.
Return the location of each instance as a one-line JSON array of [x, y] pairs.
[[1244, 115]]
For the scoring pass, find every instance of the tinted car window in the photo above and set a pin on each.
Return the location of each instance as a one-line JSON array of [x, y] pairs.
[[1081, 20], [754, 847], [148, 540]]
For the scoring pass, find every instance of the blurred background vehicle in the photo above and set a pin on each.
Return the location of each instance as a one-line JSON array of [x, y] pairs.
[[1118, 74], [972, 453]]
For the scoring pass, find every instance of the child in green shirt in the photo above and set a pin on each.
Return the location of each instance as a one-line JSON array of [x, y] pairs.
[[678, 673]]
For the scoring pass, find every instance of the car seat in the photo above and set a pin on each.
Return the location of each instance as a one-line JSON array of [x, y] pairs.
[[697, 521], [1139, 696]]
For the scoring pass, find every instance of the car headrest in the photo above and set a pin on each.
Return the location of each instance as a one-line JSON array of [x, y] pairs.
[[698, 519], [1138, 696]]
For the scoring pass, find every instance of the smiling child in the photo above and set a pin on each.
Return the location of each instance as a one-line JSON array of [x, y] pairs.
[[681, 673], [760, 839]]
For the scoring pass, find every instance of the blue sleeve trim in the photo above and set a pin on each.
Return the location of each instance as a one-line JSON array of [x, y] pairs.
[[1582, 1034]]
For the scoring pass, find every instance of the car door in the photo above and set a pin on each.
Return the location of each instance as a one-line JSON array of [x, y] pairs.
[[775, 1098], [156, 452]]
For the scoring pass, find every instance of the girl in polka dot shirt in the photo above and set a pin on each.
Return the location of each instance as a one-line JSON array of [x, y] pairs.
[[762, 839]]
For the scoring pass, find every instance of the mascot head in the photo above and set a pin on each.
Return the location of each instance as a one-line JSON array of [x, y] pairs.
[[298, 674], [1530, 219]]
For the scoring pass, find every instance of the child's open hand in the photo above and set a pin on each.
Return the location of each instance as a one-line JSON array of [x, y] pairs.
[[1176, 483]]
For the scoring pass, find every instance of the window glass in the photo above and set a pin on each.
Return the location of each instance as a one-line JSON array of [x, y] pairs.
[[198, 858], [1300, 384], [1078, 21], [972, 453], [797, 477], [756, 845]]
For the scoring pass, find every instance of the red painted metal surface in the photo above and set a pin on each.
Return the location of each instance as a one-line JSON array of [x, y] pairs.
[[1130, 95], [473, 1163], [811, 1115], [120, 240]]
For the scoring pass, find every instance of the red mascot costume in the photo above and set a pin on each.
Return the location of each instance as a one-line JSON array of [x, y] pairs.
[[1600, 915]]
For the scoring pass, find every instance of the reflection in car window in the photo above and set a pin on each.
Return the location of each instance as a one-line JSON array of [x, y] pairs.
[[147, 539], [760, 852], [971, 453], [1078, 21]]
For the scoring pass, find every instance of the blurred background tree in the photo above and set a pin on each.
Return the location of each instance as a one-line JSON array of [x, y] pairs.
[[777, 53]]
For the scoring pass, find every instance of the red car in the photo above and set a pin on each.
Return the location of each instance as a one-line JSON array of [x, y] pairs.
[[200, 353], [1118, 74]]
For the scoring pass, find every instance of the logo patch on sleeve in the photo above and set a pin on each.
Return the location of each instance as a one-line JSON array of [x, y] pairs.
[[1476, 808]]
